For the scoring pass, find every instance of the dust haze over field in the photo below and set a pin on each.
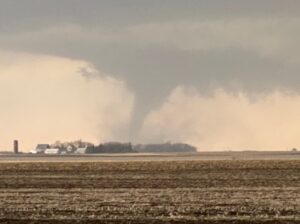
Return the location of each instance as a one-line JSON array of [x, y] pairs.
[[218, 75], [47, 98]]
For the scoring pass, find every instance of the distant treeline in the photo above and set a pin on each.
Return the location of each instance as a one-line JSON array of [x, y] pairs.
[[167, 147], [112, 147], [117, 147]]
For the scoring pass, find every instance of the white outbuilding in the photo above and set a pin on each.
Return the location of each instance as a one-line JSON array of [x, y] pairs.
[[53, 151], [81, 150]]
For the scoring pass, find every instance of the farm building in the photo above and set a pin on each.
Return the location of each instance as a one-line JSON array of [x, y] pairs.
[[53, 151], [40, 148], [81, 150]]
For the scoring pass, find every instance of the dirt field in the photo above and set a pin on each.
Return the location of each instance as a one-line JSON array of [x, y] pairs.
[[151, 192], [131, 157]]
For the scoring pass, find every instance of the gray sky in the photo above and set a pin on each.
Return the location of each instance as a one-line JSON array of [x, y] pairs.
[[154, 46]]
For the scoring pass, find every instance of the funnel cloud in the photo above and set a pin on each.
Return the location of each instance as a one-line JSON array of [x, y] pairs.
[[217, 74]]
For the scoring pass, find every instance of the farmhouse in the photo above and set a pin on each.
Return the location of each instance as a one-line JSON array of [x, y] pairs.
[[40, 148]]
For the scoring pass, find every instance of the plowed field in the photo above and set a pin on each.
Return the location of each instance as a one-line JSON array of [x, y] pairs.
[[151, 192]]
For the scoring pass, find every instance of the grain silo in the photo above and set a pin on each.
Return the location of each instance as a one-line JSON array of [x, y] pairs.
[[16, 146]]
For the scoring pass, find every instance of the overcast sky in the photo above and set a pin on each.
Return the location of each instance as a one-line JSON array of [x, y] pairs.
[[214, 73]]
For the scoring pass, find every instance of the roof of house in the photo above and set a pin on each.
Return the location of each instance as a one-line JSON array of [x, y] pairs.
[[43, 146]]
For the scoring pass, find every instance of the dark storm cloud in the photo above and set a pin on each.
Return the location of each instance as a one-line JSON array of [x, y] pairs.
[[30, 14]]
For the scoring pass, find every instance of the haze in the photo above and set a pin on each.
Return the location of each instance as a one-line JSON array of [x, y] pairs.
[[216, 74]]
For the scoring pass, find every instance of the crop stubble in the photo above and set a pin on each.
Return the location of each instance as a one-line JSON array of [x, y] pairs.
[[151, 192]]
